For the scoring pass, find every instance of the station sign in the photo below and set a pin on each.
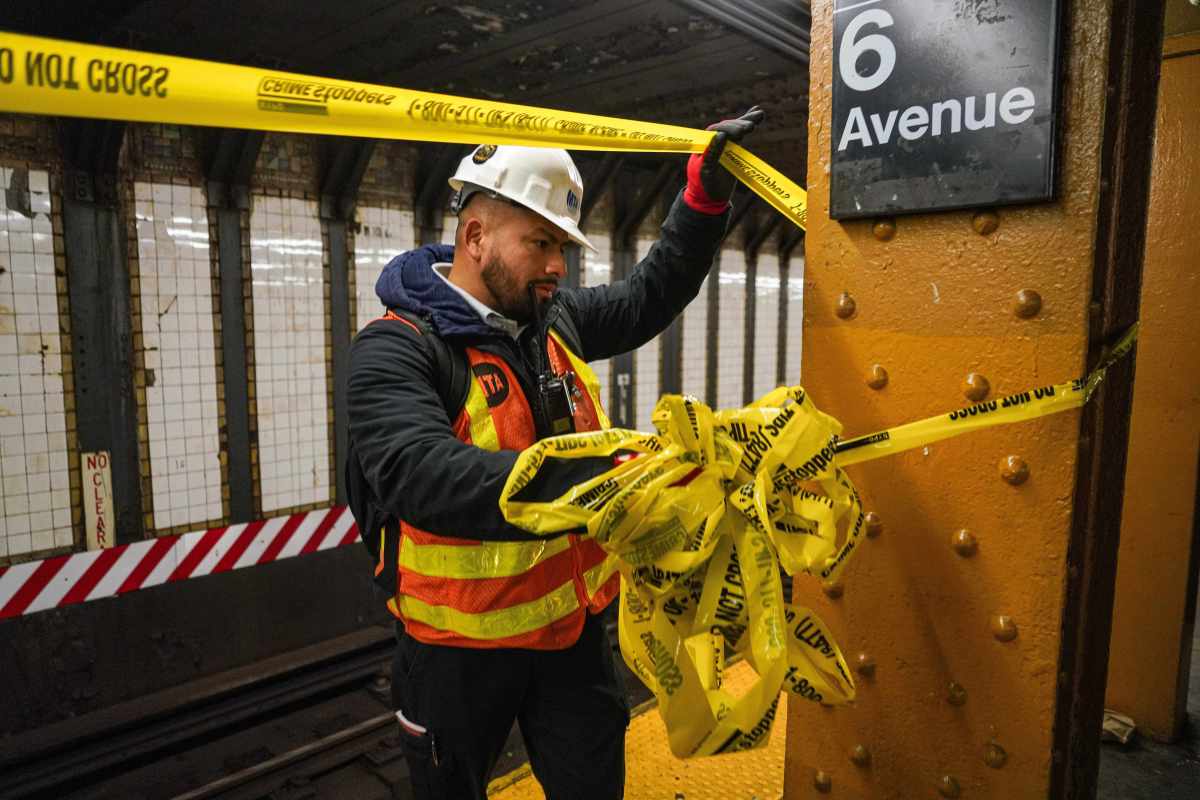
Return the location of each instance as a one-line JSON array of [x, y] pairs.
[[941, 104]]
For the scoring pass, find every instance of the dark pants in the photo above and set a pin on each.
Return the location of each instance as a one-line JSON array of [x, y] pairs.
[[570, 704]]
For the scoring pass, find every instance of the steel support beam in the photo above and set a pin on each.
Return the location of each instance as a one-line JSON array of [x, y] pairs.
[[1126, 156], [760, 23], [788, 241], [434, 168], [712, 332], [344, 165], [229, 164], [101, 317], [630, 208], [622, 400], [670, 375], [751, 307]]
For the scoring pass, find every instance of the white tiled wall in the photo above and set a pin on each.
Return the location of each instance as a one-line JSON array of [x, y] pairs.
[[289, 352], [180, 348], [695, 343], [33, 443], [597, 270], [766, 323], [795, 316], [383, 233], [731, 330]]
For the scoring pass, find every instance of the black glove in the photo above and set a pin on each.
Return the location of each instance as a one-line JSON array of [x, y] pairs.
[[710, 185]]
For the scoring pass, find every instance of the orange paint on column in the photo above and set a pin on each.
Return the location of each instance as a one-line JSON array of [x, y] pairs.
[[1152, 632], [966, 587]]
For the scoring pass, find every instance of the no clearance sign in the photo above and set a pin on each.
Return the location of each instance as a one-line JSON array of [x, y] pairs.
[[942, 104]]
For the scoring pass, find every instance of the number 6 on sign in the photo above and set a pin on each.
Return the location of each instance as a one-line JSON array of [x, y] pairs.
[[852, 49]]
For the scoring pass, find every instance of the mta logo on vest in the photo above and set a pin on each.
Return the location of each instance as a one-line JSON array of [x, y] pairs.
[[494, 383]]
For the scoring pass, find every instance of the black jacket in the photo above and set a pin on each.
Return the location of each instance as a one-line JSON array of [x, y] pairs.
[[404, 461]]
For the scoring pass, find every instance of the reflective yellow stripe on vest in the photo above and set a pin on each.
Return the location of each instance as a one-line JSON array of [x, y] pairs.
[[483, 428], [484, 560], [595, 577], [505, 622], [590, 382]]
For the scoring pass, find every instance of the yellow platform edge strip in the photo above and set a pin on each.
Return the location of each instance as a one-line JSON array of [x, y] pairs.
[[50, 76]]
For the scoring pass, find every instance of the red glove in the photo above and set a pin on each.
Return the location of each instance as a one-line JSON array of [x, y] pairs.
[[709, 185]]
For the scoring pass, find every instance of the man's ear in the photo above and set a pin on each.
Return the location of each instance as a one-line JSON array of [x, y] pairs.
[[472, 236]]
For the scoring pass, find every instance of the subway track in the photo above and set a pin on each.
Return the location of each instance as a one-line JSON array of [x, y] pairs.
[[301, 726], [295, 726]]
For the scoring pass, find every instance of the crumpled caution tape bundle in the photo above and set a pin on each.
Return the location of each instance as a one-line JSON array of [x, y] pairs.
[[700, 521], [703, 516], [49, 76]]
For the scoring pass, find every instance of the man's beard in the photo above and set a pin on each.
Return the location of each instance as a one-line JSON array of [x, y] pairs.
[[512, 299]]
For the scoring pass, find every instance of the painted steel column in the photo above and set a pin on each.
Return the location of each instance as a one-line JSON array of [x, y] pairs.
[[229, 162], [712, 332], [345, 164], [339, 312], [233, 357], [102, 338], [623, 401], [1155, 604], [972, 609], [749, 319]]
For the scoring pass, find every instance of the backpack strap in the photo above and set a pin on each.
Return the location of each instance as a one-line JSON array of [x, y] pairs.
[[453, 371], [564, 325]]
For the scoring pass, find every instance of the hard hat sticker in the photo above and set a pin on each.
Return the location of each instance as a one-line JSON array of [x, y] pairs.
[[483, 153]]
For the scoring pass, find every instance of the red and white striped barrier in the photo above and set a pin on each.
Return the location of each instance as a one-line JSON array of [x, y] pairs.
[[80, 577]]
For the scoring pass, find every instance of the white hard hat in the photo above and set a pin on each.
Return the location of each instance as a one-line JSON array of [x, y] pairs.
[[544, 180]]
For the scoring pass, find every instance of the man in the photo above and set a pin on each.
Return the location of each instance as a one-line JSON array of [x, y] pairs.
[[479, 356]]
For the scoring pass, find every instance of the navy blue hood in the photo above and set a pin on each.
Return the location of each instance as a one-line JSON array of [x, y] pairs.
[[408, 283]]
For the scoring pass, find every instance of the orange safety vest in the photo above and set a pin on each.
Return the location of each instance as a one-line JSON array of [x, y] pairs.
[[534, 595]]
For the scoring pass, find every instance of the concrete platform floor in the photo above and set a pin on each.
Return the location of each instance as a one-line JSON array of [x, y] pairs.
[[1147, 770]]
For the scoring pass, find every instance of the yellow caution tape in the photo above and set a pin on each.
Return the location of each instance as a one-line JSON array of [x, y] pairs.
[[1017, 407], [701, 520], [49, 76]]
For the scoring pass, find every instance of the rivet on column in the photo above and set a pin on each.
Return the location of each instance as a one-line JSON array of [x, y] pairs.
[[845, 306], [985, 222], [994, 755], [1014, 470], [1004, 628], [860, 755], [822, 782], [964, 543], [878, 377], [865, 665], [873, 524], [948, 786], [1029, 304], [884, 229], [975, 387], [956, 695]]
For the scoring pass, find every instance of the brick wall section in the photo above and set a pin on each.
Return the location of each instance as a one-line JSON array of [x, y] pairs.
[[288, 162], [390, 175], [167, 153], [32, 139]]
